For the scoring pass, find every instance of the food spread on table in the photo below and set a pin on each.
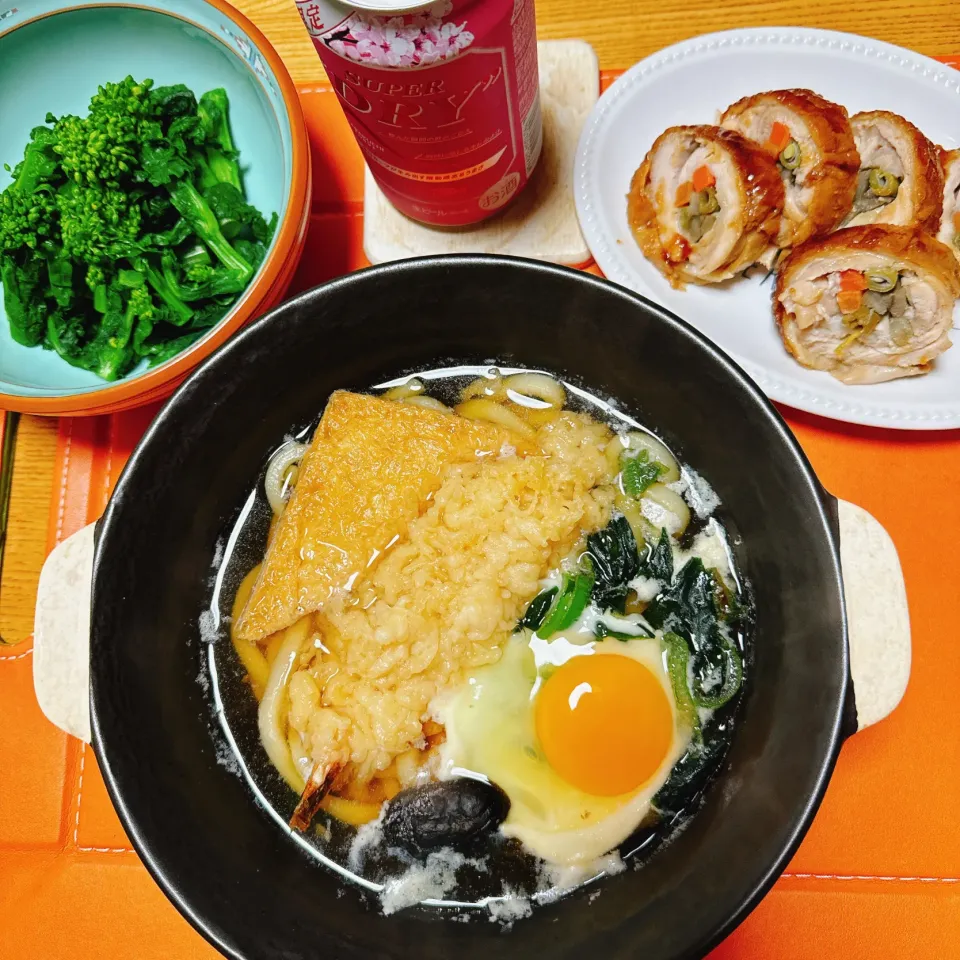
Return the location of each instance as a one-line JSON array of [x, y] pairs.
[[501, 624], [846, 210], [125, 234]]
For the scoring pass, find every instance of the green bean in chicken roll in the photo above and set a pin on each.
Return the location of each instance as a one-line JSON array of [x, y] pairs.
[[900, 180], [868, 304]]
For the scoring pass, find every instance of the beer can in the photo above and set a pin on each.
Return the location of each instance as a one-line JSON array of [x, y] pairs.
[[442, 98]]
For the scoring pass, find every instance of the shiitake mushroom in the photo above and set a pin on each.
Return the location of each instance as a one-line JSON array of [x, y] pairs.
[[446, 813]]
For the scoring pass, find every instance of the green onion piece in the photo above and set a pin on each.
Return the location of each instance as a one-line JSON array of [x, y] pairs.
[[708, 201], [558, 609], [537, 611], [601, 630], [882, 183], [639, 473], [581, 597], [678, 656], [566, 609], [790, 156], [725, 600], [881, 279], [732, 678]]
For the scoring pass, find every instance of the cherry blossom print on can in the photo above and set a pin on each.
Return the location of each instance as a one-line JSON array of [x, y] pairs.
[[443, 99]]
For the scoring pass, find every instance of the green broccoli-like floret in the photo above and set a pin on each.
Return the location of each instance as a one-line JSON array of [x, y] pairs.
[[97, 153], [200, 273], [95, 277], [104, 147], [129, 96], [27, 220], [28, 211], [98, 223], [125, 233]]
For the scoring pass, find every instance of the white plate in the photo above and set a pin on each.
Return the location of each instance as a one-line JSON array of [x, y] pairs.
[[691, 83]]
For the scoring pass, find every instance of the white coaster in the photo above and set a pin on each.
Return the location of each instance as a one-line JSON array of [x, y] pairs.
[[878, 619], [542, 223], [876, 604]]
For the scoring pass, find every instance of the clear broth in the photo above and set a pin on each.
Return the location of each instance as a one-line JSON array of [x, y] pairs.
[[498, 868]]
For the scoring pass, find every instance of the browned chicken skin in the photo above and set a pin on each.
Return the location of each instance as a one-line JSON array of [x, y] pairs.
[[949, 232], [902, 319], [819, 165], [900, 180], [694, 243]]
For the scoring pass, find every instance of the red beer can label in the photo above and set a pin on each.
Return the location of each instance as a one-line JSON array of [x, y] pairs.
[[443, 99]]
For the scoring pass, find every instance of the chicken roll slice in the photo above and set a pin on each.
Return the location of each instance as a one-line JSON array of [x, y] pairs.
[[900, 180], [705, 204], [868, 304], [950, 220], [812, 142]]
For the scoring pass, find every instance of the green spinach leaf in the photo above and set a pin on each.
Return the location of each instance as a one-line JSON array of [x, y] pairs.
[[616, 561]]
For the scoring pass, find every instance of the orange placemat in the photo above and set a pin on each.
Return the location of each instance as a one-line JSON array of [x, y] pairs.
[[878, 877]]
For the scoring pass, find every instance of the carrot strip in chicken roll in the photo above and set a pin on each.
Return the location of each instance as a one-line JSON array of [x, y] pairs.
[[705, 204], [900, 180], [950, 220], [868, 304], [813, 145]]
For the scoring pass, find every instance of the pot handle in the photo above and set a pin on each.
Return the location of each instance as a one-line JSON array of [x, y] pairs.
[[878, 621], [61, 634]]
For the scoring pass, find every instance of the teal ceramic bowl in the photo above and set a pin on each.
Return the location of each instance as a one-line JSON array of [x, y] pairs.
[[53, 56]]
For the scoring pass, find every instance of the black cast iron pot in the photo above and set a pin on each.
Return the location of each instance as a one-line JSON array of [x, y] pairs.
[[230, 869]]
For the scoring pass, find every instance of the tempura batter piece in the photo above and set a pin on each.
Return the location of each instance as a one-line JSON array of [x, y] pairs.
[[367, 474]]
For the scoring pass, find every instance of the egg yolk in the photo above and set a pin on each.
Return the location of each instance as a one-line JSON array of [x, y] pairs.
[[604, 722]]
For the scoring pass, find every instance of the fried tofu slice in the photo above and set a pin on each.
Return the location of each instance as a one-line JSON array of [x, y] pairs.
[[369, 471]]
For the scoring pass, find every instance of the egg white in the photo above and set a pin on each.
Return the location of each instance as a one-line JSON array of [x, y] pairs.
[[491, 733]]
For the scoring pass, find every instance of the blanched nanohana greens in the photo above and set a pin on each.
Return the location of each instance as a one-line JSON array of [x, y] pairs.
[[125, 234]]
